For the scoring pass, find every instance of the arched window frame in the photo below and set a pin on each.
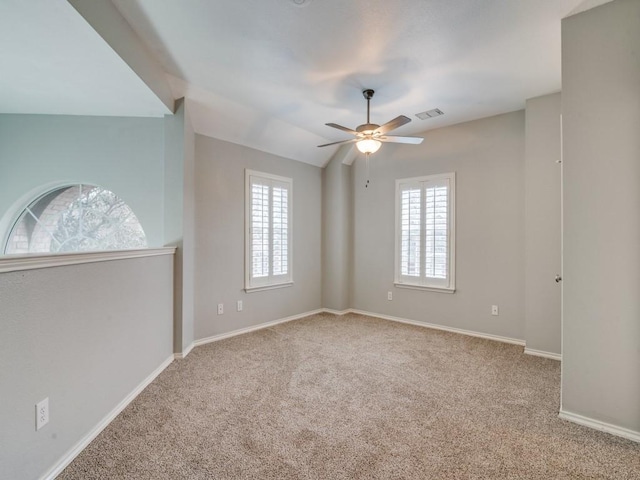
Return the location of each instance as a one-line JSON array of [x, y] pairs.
[[23, 207]]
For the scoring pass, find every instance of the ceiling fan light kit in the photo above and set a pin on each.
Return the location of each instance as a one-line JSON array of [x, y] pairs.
[[368, 145], [369, 136]]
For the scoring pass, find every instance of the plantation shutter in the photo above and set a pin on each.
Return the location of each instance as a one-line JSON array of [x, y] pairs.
[[411, 230], [260, 254], [268, 230], [280, 232], [436, 220], [424, 254]]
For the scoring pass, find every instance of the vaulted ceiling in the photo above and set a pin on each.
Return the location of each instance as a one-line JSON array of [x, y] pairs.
[[270, 73]]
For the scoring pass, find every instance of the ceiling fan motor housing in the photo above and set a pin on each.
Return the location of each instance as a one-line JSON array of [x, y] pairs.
[[367, 128]]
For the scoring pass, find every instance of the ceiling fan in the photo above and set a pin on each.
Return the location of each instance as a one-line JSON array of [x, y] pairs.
[[370, 135]]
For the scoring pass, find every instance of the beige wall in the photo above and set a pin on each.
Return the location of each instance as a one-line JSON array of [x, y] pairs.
[[601, 288], [488, 158], [337, 235], [179, 218], [542, 224], [85, 336], [219, 258], [189, 222]]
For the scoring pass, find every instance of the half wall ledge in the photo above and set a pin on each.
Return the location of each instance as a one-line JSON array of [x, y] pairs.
[[16, 263]]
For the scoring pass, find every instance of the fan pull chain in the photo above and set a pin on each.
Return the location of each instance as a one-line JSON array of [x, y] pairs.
[[366, 155]]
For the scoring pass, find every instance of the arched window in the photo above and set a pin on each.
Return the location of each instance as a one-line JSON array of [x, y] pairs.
[[76, 218]]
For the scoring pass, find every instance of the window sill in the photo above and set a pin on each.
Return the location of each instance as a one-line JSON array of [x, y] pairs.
[[16, 263], [268, 287], [424, 288]]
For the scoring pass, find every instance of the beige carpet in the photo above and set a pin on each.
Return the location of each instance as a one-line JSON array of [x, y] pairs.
[[353, 397]]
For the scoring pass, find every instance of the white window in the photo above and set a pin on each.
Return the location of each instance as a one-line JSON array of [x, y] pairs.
[[75, 218], [268, 231], [425, 233]]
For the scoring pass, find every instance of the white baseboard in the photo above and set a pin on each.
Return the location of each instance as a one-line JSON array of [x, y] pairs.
[[542, 353], [470, 333], [336, 312], [184, 353], [241, 331], [598, 425], [68, 457], [486, 336]]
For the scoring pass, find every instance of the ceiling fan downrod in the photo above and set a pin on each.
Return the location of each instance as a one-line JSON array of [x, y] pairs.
[[368, 94]]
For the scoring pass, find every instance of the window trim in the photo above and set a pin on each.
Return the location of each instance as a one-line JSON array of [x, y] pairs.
[[270, 282], [422, 283]]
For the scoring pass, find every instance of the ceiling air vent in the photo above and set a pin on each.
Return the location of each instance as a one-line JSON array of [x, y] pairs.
[[436, 112]]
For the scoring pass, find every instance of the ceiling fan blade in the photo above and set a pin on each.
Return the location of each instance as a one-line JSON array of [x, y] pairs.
[[340, 127], [341, 141], [393, 124], [396, 139]]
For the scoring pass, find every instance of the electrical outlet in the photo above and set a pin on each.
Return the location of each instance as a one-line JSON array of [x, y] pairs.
[[42, 413], [494, 309], [389, 295], [220, 309], [239, 306]]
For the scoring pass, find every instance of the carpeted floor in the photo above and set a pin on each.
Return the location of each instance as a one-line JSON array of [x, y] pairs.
[[353, 397]]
